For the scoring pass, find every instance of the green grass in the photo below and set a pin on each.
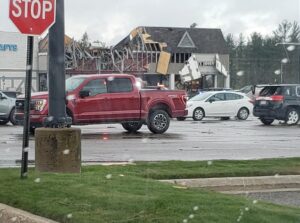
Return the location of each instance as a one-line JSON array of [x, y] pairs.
[[132, 194]]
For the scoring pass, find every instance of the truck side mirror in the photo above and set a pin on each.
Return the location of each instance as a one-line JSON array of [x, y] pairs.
[[84, 93]]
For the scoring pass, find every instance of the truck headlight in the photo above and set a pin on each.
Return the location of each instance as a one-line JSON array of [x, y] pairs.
[[39, 105]]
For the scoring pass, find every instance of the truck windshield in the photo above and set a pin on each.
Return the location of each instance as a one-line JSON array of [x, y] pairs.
[[73, 82]]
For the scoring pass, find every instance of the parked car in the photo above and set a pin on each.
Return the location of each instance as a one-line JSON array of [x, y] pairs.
[[224, 104], [7, 108], [281, 102], [200, 91], [111, 98], [12, 94]]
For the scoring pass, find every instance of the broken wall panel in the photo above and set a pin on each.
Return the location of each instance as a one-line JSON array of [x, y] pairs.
[[163, 63]]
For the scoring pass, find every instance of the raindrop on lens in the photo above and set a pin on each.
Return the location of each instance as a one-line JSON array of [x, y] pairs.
[[69, 216], [209, 163], [276, 175], [37, 180], [110, 78], [185, 221], [191, 216], [66, 152], [196, 208], [240, 73], [277, 72], [14, 219], [291, 48], [285, 60], [131, 161], [255, 202], [108, 176], [246, 209]]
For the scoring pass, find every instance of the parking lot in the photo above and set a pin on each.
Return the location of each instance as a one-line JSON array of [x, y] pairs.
[[210, 139]]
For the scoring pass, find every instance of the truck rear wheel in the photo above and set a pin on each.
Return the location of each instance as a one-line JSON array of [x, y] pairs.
[[4, 122], [132, 126], [158, 122]]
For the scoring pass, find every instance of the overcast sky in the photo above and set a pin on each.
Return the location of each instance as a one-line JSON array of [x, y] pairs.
[[110, 21]]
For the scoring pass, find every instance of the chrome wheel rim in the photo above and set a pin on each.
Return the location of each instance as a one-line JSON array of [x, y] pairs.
[[198, 114], [244, 114], [293, 118], [160, 121]]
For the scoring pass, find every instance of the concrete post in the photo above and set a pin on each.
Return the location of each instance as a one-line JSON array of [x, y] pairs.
[[58, 150], [227, 81], [172, 81], [215, 80]]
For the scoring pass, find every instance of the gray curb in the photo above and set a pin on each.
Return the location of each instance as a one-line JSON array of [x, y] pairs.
[[241, 183], [12, 215]]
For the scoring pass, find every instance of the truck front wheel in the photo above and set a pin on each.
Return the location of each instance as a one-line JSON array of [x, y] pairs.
[[158, 122], [132, 126]]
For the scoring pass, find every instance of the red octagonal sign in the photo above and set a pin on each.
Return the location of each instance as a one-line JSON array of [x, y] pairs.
[[32, 17]]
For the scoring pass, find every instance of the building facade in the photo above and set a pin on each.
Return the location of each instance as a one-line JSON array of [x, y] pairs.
[[13, 53], [160, 54]]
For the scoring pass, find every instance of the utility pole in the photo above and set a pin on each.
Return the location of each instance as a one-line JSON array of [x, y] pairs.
[[293, 44], [57, 116]]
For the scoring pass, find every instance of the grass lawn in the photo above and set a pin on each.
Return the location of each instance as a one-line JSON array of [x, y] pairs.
[[131, 193]]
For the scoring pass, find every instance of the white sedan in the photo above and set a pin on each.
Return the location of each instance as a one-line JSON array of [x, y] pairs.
[[222, 104]]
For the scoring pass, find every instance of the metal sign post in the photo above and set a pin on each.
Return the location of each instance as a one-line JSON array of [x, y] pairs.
[[28, 83]]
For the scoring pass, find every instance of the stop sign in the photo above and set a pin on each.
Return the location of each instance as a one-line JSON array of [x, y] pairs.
[[32, 17]]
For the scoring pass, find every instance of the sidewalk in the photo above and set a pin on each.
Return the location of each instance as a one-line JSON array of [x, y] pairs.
[[10, 214], [241, 185]]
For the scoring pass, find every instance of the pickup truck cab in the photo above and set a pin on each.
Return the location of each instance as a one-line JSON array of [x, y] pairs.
[[111, 98]]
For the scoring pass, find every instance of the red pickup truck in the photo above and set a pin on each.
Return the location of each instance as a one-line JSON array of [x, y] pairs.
[[111, 98]]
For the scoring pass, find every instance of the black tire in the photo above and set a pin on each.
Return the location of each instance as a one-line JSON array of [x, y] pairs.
[[266, 121], [4, 122], [198, 114], [292, 116], [12, 118], [225, 118], [158, 122], [181, 118], [132, 126], [243, 114]]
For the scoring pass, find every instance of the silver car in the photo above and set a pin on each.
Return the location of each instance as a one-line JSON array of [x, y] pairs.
[[7, 108]]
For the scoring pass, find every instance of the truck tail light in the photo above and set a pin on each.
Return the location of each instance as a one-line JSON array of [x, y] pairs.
[[278, 98]]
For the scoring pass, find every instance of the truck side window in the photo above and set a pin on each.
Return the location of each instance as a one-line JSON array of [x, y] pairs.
[[118, 85], [96, 87]]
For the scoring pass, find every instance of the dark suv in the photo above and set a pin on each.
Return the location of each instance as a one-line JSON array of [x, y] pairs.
[[280, 102]]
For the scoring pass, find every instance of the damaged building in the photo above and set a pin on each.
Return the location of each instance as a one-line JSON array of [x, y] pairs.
[[190, 58]]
